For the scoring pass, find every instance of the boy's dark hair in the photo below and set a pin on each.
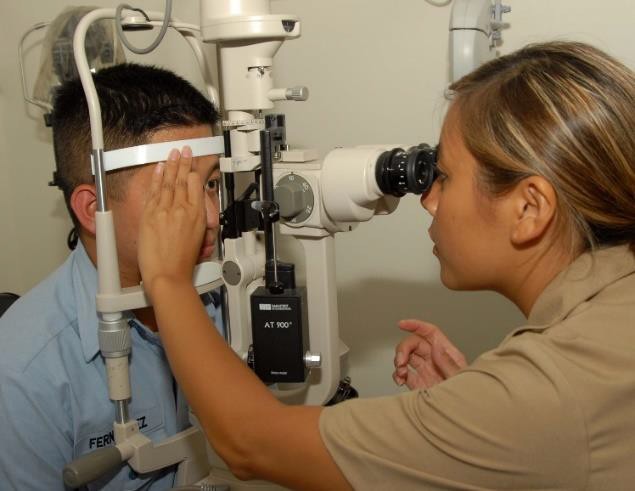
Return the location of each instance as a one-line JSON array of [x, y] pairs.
[[136, 101]]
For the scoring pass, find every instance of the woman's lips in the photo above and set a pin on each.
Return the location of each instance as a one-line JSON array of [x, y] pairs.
[[435, 250]]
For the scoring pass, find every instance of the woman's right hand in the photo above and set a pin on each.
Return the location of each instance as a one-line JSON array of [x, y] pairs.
[[173, 223], [426, 357]]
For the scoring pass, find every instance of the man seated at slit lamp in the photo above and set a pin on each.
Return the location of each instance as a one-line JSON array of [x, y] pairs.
[[54, 403]]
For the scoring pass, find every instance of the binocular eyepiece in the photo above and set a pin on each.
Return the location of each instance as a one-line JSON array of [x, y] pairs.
[[400, 171]]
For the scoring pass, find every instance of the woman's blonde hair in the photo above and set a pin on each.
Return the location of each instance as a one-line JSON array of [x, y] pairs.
[[564, 111]]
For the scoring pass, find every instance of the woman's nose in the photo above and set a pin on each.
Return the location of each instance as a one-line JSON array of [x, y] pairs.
[[429, 200]]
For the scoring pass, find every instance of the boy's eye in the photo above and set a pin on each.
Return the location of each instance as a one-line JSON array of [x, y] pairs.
[[212, 185]]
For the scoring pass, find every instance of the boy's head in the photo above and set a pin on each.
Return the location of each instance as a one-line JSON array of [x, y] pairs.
[[139, 104], [136, 101]]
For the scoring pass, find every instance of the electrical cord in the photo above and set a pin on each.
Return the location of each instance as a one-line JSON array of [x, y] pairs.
[[72, 239], [344, 392], [160, 36]]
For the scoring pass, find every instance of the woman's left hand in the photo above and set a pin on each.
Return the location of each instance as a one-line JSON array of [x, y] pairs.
[[173, 223], [426, 357]]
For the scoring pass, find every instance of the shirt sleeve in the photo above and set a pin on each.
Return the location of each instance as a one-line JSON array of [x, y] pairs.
[[506, 422], [35, 436]]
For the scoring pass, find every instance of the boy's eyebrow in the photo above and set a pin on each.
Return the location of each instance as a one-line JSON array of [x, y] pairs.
[[214, 168]]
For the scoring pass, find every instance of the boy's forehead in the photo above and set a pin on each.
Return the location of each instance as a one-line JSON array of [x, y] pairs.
[[206, 164], [175, 133]]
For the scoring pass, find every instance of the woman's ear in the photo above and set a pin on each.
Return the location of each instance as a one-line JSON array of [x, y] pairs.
[[534, 208], [84, 205]]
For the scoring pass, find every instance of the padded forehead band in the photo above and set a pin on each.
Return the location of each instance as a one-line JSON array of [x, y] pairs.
[[156, 152]]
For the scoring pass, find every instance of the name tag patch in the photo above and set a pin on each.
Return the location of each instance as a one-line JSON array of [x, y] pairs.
[[149, 420], [109, 438]]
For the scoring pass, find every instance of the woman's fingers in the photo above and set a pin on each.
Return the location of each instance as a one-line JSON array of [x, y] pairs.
[[195, 190], [184, 168], [155, 187], [447, 357], [448, 360], [426, 357], [409, 345], [397, 378], [418, 327], [169, 177], [417, 374], [426, 371]]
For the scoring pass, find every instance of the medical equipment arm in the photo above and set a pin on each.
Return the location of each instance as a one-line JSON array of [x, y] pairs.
[[186, 448], [240, 401]]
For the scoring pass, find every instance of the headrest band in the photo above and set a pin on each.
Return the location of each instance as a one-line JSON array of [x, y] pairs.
[[156, 152]]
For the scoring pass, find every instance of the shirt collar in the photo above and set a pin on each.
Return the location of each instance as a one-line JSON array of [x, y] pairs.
[[146, 334], [590, 273]]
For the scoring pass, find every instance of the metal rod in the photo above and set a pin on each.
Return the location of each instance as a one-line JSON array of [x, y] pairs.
[[266, 165], [121, 412], [100, 179], [227, 200]]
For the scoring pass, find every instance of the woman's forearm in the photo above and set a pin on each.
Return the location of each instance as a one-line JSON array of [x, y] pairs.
[[205, 367], [252, 431]]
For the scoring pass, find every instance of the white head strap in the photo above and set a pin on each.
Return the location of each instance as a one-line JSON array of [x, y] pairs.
[[156, 152]]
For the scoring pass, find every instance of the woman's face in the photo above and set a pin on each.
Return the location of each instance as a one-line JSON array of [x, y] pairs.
[[471, 240]]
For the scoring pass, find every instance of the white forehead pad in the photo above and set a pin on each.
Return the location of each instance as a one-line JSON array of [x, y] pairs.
[[156, 152]]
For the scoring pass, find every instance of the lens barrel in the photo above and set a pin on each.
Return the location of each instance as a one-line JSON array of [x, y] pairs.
[[400, 171]]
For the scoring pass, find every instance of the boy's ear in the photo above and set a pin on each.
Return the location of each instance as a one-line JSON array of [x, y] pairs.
[[533, 202], [84, 205]]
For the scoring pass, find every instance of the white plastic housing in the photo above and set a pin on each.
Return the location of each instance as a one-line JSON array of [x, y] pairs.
[[218, 9], [348, 185], [247, 75], [470, 36], [118, 379], [248, 36], [248, 255], [471, 14]]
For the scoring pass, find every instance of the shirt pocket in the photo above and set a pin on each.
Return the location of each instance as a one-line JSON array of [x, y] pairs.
[[151, 424]]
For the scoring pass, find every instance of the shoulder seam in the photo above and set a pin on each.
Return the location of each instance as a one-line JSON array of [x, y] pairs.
[[51, 339]]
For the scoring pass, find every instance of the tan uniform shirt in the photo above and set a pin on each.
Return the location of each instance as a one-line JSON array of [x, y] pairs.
[[552, 408]]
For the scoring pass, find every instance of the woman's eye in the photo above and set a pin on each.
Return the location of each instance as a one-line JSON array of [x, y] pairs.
[[441, 176]]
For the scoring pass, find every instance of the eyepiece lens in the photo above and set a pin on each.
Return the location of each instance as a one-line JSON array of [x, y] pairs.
[[400, 171]]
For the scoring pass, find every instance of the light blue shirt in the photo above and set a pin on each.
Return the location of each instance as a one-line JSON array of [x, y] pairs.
[[54, 403]]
